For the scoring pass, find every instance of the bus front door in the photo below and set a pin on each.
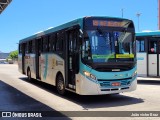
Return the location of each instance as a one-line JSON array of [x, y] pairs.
[[71, 62]]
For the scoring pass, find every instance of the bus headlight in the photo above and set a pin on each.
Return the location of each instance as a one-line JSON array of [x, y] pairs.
[[88, 74], [134, 74]]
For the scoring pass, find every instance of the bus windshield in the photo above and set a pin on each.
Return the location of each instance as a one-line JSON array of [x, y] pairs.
[[108, 46]]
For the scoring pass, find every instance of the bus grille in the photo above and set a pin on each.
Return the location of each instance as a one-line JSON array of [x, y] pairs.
[[108, 83], [115, 89]]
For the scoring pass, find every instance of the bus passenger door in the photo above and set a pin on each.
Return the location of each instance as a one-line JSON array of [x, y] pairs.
[[72, 62], [153, 58], [38, 59]]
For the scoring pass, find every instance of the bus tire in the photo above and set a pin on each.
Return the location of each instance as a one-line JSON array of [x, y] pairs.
[[29, 74], [60, 84]]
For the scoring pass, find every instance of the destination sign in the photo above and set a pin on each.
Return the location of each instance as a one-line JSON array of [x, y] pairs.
[[104, 23]]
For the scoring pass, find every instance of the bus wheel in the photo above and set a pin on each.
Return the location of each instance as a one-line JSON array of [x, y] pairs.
[[60, 85], [29, 75]]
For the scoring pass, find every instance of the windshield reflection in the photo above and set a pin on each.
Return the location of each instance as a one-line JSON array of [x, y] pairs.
[[104, 46]]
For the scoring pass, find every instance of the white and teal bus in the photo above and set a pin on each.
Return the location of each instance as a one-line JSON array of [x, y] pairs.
[[88, 56], [148, 53]]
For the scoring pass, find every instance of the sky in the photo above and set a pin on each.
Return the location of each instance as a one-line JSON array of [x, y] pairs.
[[23, 18]]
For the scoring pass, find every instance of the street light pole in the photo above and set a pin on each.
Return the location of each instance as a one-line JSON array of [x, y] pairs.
[[122, 12], [138, 15]]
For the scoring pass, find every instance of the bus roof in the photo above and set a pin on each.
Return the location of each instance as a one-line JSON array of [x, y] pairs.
[[152, 33], [78, 21], [38, 34]]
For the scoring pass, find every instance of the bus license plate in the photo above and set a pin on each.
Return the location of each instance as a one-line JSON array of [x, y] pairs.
[[116, 84]]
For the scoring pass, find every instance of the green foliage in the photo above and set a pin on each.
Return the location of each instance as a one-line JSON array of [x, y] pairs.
[[13, 54]]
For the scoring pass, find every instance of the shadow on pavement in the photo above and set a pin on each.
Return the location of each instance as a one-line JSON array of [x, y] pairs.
[[93, 101], [14, 100], [149, 82]]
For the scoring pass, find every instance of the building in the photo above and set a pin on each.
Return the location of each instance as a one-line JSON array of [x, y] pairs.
[[4, 55]]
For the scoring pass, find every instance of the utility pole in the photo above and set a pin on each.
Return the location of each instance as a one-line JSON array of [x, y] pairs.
[[122, 10], [138, 15]]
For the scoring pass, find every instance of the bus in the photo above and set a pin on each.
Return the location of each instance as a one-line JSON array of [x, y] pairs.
[[88, 56], [148, 53]]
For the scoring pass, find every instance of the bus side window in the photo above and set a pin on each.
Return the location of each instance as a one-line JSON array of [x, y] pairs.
[[59, 42], [52, 41], [42, 45], [152, 47], [33, 46], [140, 45], [26, 48], [29, 47], [49, 43], [20, 48], [45, 44]]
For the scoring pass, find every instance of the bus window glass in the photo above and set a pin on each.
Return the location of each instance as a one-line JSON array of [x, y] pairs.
[[20, 48], [140, 46], [153, 47], [26, 48], [30, 47], [59, 43], [51, 43], [104, 46], [45, 44], [86, 51], [33, 46]]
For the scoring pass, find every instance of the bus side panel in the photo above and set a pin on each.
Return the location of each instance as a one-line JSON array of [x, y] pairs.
[[142, 64], [51, 64], [152, 60]]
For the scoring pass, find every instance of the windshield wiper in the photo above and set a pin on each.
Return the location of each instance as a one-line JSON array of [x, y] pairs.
[[125, 25]]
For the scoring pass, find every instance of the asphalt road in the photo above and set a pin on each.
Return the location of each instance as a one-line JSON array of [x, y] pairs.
[[17, 94]]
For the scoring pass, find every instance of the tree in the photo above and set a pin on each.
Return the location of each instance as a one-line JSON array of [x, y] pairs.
[[13, 55]]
